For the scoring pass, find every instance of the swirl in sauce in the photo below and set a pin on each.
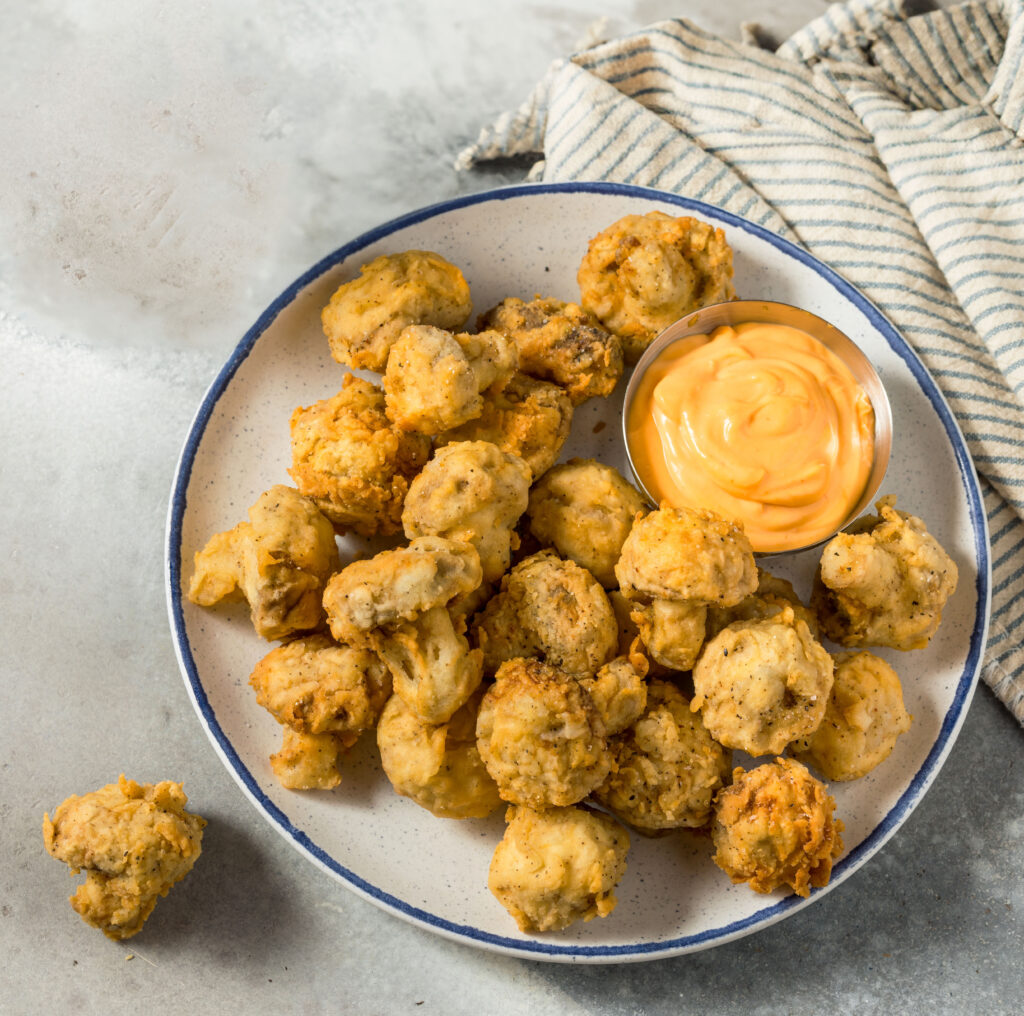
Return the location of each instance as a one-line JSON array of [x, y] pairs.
[[759, 422]]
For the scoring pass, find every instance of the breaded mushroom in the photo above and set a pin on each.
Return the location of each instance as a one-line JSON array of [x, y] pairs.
[[558, 865], [316, 686], [437, 765], [585, 510], [398, 585], [540, 736], [434, 669], [672, 631], [436, 380], [864, 717], [629, 634], [528, 418], [775, 826], [134, 842], [367, 314], [279, 561], [550, 609], [684, 554], [350, 459], [560, 342], [885, 583], [761, 684], [308, 761], [644, 272], [474, 492], [666, 767], [619, 691]]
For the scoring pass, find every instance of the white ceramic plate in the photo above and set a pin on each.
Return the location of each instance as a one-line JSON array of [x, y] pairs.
[[520, 241]]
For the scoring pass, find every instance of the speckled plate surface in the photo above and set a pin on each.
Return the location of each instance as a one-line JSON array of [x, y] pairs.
[[520, 241]]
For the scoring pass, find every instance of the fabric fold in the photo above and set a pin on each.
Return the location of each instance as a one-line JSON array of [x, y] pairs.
[[1006, 94]]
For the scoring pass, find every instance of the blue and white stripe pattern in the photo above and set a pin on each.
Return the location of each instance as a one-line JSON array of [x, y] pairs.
[[890, 146]]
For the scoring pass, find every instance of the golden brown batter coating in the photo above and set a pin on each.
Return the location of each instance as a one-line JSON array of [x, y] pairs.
[[585, 510], [316, 686], [644, 272], [134, 841], [465, 606], [682, 554], [437, 765], [398, 585], [474, 492], [550, 609], [557, 866], [672, 631], [367, 314], [772, 594], [308, 761], [762, 684], [619, 691], [629, 635], [560, 342], [433, 668], [667, 768], [528, 418], [628, 631], [864, 717], [540, 736], [885, 585], [774, 826], [436, 380], [279, 561], [350, 459]]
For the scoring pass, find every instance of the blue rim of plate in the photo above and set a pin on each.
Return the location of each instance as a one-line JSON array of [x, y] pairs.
[[539, 949]]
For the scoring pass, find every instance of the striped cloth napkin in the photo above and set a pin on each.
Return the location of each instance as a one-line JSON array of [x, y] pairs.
[[889, 145]]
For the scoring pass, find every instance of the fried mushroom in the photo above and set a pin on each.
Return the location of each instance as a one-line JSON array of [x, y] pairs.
[[685, 554], [666, 767], [435, 380], [352, 461], [644, 272], [775, 826], [398, 585], [474, 492], [557, 865], [885, 584], [585, 510], [433, 668], [864, 717], [560, 342], [366, 315], [279, 561], [308, 761], [316, 686], [619, 691], [761, 684], [134, 842], [540, 736], [550, 609], [437, 765], [671, 631]]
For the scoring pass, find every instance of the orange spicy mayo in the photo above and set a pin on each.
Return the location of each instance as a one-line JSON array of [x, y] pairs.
[[760, 423]]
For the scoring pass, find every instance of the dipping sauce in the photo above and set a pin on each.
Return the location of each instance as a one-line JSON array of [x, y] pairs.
[[758, 422]]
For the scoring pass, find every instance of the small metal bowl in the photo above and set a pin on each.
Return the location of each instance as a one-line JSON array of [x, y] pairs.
[[707, 319]]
